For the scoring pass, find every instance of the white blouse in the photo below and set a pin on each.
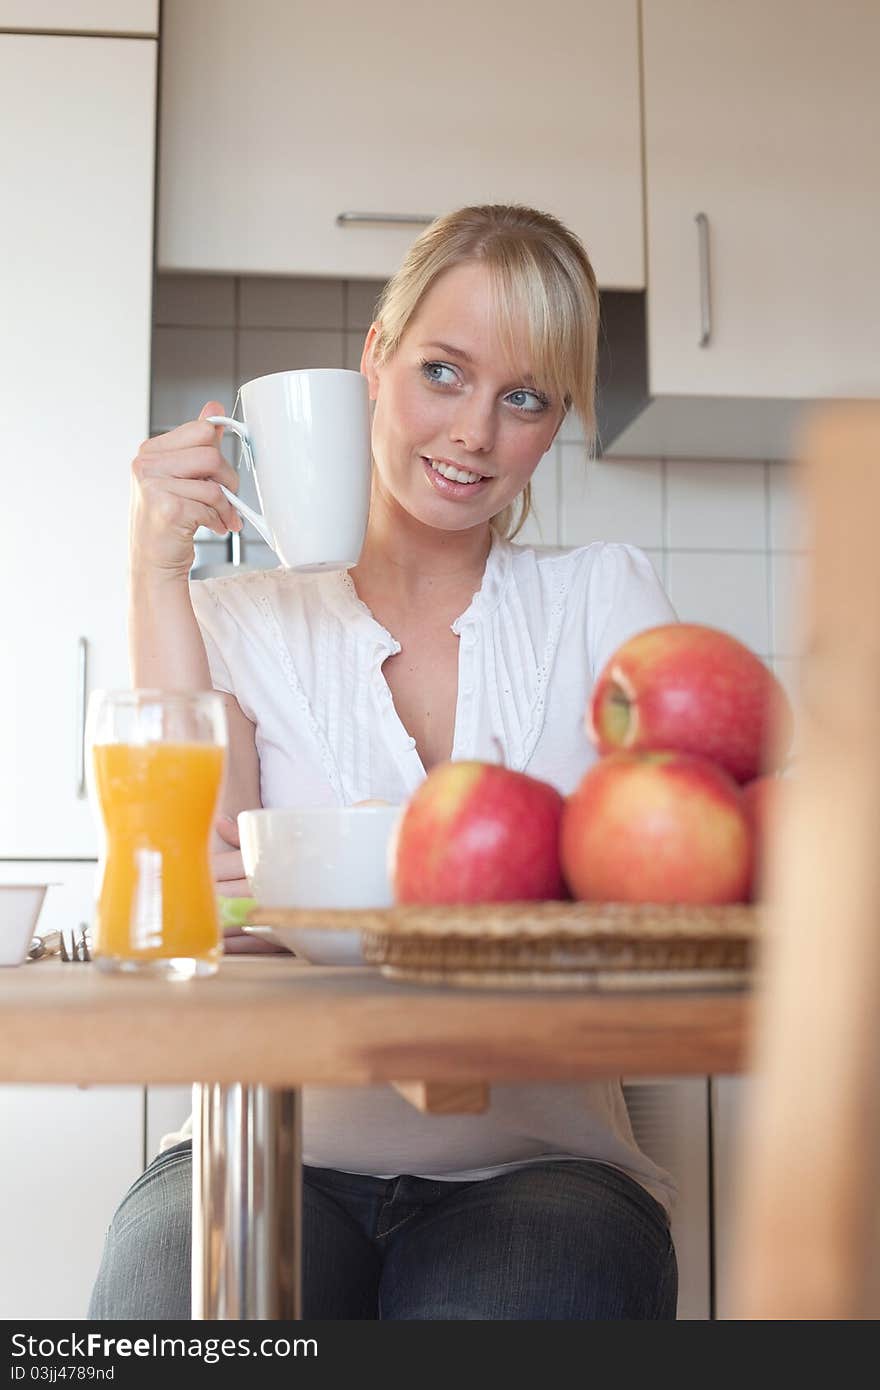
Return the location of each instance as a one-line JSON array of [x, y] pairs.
[[303, 657]]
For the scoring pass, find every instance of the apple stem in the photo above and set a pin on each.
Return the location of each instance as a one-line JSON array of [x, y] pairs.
[[616, 715]]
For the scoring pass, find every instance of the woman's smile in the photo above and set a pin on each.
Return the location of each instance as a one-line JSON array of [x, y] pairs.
[[453, 480]]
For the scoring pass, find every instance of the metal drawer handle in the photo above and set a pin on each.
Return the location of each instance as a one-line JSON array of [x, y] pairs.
[[413, 219], [82, 681], [702, 222]]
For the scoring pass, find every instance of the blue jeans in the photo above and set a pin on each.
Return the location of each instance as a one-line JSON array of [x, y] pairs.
[[568, 1239]]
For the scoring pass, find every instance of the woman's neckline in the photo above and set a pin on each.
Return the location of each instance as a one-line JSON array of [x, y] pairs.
[[484, 600]]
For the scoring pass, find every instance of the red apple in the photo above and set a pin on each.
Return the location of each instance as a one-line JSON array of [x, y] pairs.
[[760, 799], [475, 832], [696, 689], [662, 827]]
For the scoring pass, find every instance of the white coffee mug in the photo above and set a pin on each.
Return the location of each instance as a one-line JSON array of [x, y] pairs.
[[306, 437]]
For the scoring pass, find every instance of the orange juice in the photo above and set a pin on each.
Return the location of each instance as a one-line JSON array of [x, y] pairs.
[[157, 898]]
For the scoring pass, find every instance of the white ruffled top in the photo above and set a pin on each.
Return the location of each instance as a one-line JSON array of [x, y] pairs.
[[303, 656]]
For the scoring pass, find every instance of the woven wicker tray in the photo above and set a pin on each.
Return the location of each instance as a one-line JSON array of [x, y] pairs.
[[548, 944]]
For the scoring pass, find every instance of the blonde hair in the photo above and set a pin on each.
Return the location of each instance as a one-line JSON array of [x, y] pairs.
[[541, 277]]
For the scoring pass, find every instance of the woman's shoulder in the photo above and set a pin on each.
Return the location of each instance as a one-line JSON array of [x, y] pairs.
[[243, 594], [599, 563], [606, 590]]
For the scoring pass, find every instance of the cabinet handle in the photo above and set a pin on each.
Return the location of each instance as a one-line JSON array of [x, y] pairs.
[[82, 672], [702, 222], [414, 219]]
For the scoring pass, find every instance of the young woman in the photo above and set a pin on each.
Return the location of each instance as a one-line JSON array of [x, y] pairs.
[[446, 640]]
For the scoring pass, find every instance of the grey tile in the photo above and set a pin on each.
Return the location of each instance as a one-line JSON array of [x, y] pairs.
[[210, 548], [290, 302], [354, 348], [265, 350], [361, 297], [196, 301], [257, 555], [190, 367]]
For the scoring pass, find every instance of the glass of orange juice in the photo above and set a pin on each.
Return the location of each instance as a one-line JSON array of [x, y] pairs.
[[157, 764]]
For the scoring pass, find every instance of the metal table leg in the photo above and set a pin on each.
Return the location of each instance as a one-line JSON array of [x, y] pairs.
[[247, 1203]]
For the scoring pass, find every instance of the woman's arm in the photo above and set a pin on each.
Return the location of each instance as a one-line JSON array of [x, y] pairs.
[[167, 652], [175, 489]]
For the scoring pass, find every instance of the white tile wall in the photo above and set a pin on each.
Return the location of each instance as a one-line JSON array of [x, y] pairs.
[[722, 588], [609, 500], [542, 524], [788, 572], [788, 528], [727, 536], [717, 506]]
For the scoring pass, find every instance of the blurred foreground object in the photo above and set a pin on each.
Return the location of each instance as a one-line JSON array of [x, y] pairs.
[[807, 1216]]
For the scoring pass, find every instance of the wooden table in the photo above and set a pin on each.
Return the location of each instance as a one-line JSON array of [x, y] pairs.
[[253, 1035]]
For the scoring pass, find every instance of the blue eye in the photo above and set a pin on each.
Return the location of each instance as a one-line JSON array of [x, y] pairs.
[[520, 400], [433, 372]]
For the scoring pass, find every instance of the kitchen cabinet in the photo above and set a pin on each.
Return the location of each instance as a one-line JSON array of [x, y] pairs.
[[75, 284], [669, 1117], [68, 1154], [764, 121], [730, 1097], [276, 119], [139, 17]]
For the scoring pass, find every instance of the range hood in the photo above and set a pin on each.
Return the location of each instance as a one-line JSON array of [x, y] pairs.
[[634, 424]]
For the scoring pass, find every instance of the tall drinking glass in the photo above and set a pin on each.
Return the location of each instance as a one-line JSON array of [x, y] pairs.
[[157, 761]]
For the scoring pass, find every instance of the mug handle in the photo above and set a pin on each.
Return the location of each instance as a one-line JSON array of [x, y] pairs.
[[256, 520]]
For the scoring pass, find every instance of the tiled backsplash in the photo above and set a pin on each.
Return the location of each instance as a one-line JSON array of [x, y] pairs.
[[725, 536]]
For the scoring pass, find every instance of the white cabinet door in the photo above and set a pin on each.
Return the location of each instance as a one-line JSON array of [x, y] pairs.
[[670, 1121], [68, 1154], [82, 16], [276, 118], [729, 1098], [766, 118], [75, 285]]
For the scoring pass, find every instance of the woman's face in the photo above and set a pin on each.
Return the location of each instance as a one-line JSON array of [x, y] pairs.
[[457, 432]]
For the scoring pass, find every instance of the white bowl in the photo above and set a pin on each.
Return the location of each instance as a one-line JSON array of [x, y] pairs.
[[324, 858], [20, 906]]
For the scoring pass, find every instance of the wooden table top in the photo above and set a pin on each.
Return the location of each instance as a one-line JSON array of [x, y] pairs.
[[280, 1022]]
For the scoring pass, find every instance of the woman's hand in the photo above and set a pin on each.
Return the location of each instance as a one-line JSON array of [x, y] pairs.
[[176, 481], [231, 883], [227, 863]]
